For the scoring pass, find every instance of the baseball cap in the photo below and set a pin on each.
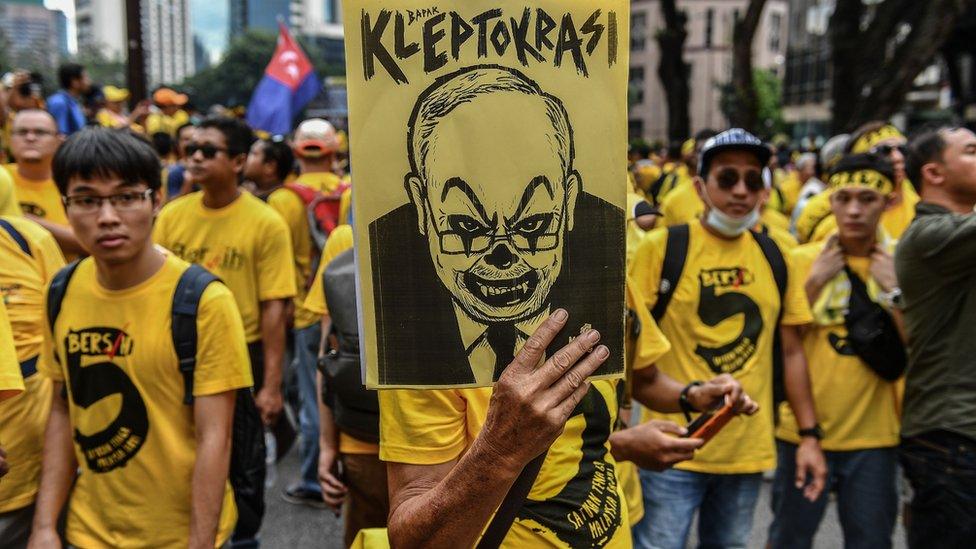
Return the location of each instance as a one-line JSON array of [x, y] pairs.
[[315, 137], [115, 95], [167, 97], [735, 139]]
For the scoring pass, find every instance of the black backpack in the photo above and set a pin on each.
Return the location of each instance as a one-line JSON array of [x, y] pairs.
[[247, 460], [674, 263], [355, 408]]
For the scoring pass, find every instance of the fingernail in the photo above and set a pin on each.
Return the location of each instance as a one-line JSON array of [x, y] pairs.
[[602, 351], [592, 336], [560, 315]]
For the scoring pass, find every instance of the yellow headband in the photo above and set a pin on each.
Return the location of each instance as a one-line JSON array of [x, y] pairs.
[[862, 179], [867, 141]]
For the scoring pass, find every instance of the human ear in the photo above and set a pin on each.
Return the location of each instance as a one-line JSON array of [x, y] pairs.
[[416, 192], [574, 183]]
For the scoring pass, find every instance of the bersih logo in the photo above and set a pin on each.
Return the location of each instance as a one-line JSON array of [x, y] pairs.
[[92, 377], [714, 309]]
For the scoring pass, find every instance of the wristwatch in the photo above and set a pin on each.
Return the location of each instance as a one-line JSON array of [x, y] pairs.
[[815, 432], [892, 299], [686, 406]]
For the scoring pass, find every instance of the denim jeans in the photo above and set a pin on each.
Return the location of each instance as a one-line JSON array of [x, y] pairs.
[[306, 352], [725, 504], [941, 467], [867, 499]]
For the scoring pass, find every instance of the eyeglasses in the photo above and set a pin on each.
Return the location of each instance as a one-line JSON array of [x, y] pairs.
[[886, 150], [528, 235], [121, 202], [727, 178], [209, 151], [24, 132]]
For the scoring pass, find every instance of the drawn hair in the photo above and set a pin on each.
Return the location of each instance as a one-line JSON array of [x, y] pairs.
[[465, 86]]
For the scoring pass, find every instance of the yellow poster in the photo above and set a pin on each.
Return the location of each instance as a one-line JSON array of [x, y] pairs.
[[488, 143]]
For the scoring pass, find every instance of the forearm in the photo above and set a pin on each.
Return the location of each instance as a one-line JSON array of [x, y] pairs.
[[273, 341], [813, 286], [326, 324], [796, 379], [455, 511], [328, 432], [209, 482], [58, 465], [656, 390], [64, 235]]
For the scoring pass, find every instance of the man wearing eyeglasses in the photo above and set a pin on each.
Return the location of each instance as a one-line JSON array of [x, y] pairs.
[[721, 311], [239, 238], [153, 470], [34, 140], [816, 222]]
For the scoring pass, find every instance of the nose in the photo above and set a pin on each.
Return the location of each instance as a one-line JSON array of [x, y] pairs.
[[501, 256], [107, 215]]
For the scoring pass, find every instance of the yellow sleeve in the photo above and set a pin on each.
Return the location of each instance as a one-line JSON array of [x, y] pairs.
[[222, 359], [651, 343], [783, 239], [159, 228], [339, 241], [291, 208], [774, 219], [796, 310], [11, 382], [154, 123], [8, 199], [645, 269], [315, 300], [44, 247], [275, 262], [422, 427]]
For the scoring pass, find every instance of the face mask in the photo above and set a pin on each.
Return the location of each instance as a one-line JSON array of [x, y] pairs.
[[727, 225]]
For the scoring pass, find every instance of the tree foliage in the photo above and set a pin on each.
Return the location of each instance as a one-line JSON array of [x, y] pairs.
[[768, 90]]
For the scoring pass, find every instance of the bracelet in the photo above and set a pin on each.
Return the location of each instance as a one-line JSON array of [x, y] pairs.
[[686, 407]]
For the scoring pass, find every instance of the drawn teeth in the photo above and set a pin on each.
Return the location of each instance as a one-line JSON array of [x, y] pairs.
[[499, 290]]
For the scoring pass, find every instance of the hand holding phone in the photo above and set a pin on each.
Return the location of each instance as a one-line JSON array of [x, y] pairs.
[[709, 423]]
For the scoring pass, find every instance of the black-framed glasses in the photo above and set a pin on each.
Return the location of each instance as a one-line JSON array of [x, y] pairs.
[[39, 132], [121, 202], [208, 151], [727, 178], [886, 149], [535, 233]]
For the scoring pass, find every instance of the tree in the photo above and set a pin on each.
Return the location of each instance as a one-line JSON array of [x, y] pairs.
[[100, 68], [673, 71], [768, 90], [745, 113], [878, 50], [231, 81]]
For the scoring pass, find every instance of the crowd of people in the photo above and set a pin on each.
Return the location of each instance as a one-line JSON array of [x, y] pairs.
[[173, 283]]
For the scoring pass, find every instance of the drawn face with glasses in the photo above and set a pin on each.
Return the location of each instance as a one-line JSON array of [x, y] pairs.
[[496, 206]]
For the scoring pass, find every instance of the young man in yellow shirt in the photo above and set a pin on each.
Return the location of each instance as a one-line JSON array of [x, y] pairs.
[[268, 164], [153, 470], [29, 258], [857, 409], [316, 145], [34, 141], [722, 312]]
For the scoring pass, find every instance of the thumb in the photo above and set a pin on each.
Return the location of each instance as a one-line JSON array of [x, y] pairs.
[[668, 427], [800, 476]]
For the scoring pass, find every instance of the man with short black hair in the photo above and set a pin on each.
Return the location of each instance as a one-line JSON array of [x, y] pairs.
[[936, 265], [64, 104], [153, 470]]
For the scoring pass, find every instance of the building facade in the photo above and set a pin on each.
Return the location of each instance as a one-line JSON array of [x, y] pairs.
[[166, 41], [708, 49], [100, 25], [34, 35]]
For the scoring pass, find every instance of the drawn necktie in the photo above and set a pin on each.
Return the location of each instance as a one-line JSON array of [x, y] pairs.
[[501, 339]]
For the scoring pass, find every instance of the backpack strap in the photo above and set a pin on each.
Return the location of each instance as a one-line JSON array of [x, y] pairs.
[[57, 290], [674, 263], [16, 236], [776, 261], [186, 301], [778, 265]]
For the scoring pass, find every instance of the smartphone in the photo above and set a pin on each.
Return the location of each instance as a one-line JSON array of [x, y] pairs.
[[710, 423]]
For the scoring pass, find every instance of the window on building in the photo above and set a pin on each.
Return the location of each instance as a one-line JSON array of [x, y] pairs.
[[331, 11], [635, 92], [638, 31], [775, 30], [709, 26]]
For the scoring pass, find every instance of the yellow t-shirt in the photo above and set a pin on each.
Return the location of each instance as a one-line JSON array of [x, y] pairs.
[[8, 198], [324, 182], [339, 241], [245, 243], [721, 319], [159, 122], [292, 209], [38, 198], [345, 204], [790, 188], [816, 222], [135, 441], [11, 382], [23, 279], [856, 409], [576, 500], [634, 234]]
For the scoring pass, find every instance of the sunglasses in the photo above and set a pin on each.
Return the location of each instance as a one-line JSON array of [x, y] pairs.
[[209, 151], [727, 178], [886, 150]]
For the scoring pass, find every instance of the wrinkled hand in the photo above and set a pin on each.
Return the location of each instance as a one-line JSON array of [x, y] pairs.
[[712, 394], [810, 462], [333, 490], [44, 539], [883, 268], [269, 403], [531, 403], [829, 262], [651, 445], [4, 466]]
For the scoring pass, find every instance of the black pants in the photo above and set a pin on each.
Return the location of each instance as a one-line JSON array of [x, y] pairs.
[[941, 467], [247, 458]]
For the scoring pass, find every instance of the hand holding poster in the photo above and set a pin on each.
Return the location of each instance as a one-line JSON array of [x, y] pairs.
[[488, 142]]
